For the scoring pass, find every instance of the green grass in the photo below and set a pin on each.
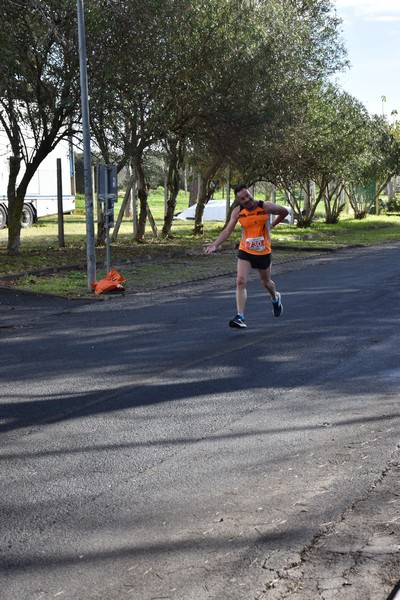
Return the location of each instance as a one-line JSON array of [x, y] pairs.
[[40, 249], [72, 284], [349, 231]]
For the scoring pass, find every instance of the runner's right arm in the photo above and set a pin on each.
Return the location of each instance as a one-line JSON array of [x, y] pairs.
[[225, 233]]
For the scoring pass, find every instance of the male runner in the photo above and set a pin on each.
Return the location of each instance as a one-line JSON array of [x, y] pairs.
[[254, 248]]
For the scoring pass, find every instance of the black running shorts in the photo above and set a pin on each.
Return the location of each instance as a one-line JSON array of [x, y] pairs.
[[262, 261]]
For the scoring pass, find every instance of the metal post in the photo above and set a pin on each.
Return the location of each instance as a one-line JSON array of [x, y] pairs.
[[71, 161], [87, 159], [107, 220], [61, 240], [228, 192]]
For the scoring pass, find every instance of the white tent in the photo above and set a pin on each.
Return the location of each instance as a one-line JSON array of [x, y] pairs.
[[214, 210]]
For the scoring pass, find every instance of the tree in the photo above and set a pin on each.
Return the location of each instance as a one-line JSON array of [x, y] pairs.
[[134, 88], [331, 136], [205, 75], [302, 40], [160, 95], [175, 150], [372, 169], [39, 91]]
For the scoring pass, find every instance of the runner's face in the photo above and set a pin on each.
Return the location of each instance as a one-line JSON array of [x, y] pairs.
[[245, 198]]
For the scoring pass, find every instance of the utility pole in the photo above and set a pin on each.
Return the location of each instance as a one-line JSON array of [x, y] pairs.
[[87, 157]]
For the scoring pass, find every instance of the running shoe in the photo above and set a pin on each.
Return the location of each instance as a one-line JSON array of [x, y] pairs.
[[277, 307], [237, 322]]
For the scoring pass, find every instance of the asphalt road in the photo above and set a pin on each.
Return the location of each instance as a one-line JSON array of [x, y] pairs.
[[148, 451]]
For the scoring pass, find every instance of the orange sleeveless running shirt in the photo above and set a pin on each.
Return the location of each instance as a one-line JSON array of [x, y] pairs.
[[255, 224]]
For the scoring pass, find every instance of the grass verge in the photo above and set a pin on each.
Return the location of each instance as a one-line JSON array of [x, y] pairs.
[[44, 267]]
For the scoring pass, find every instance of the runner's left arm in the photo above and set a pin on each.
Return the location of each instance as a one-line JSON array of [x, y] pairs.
[[275, 209]]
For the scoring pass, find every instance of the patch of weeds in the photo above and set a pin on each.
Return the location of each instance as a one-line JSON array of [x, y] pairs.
[[71, 284]]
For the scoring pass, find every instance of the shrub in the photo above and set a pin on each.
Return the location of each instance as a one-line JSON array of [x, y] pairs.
[[393, 205]]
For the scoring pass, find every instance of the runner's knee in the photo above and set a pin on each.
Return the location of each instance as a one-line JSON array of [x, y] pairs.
[[241, 282]]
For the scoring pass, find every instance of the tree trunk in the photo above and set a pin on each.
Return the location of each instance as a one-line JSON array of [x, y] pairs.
[[361, 201], [391, 189], [295, 196], [142, 195], [333, 201], [194, 191], [16, 198], [201, 202], [14, 208], [173, 191], [176, 155], [206, 190], [16, 195], [122, 210], [152, 221]]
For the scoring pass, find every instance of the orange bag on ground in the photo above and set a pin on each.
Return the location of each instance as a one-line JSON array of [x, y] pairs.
[[111, 282]]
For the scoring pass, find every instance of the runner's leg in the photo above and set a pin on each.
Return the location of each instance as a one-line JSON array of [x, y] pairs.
[[243, 270], [265, 277]]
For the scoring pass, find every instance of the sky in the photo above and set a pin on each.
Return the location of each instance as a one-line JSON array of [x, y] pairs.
[[371, 35]]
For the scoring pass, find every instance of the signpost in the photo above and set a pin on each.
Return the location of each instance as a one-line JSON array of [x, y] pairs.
[[107, 192], [61, 239]]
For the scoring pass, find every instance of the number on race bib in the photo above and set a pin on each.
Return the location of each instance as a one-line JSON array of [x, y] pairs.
[[256, 244]]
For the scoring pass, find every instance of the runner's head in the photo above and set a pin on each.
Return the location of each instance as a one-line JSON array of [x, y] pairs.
[[243, 195]]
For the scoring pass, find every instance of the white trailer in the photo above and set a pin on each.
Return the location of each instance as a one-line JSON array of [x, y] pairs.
[[41, 197]]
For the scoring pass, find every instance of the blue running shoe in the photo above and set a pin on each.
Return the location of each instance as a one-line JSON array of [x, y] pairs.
[[237, 322]]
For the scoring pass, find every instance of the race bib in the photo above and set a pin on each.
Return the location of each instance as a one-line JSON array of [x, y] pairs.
[[256, 244]]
